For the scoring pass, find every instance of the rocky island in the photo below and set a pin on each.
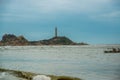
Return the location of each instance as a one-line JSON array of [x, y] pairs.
[[13, 40]]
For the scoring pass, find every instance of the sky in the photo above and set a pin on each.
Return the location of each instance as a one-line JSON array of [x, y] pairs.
[[91, 21]]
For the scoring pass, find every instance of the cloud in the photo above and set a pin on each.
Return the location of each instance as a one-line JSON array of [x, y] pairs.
[[54, 6], [18, 10], [10, 17], [110, 16], [51, 6]]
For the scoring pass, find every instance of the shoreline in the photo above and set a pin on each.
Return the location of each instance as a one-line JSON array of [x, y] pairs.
[[22, 75]]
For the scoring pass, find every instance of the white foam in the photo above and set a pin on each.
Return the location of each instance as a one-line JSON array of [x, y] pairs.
[[41, 77], [7, 76]]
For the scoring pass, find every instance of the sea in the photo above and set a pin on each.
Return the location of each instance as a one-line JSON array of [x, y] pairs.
[[88, 62]]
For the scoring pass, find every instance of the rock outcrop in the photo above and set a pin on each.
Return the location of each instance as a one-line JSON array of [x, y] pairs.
[[22, 75], [58, 41], [10, 39]]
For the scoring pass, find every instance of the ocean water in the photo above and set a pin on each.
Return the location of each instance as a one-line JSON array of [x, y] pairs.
[[87, 62]]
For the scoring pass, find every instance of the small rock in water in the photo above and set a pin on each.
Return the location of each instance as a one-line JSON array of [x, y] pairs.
[[41, 77]]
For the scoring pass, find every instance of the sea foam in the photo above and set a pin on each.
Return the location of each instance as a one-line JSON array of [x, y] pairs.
[[7, 76], [41, 77]]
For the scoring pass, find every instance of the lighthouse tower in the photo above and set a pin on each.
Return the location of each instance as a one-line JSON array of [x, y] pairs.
[[55, 31]]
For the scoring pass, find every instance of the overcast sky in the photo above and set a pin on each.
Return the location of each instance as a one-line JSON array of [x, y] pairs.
[[91, 21]]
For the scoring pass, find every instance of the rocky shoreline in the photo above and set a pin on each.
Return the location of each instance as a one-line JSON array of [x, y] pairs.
[[13, 40], [22, 75]]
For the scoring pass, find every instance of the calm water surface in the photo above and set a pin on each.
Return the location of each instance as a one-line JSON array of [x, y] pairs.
[[86, 62]]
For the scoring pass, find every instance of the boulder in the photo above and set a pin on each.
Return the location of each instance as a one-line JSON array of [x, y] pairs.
[[10, 39]]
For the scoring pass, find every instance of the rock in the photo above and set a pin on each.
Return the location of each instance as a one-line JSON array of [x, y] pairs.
[[41, 77], [21, 38], [58, 41], [82, 43], [10, 39], [33, 76]]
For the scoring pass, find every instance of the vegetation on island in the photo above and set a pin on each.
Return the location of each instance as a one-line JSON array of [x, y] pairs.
[[13, 40]]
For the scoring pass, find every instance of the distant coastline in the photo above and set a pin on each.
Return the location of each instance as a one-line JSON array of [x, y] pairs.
[[13, 40]]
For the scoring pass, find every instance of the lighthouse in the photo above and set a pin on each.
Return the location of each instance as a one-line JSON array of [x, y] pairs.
[[55, 31]]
